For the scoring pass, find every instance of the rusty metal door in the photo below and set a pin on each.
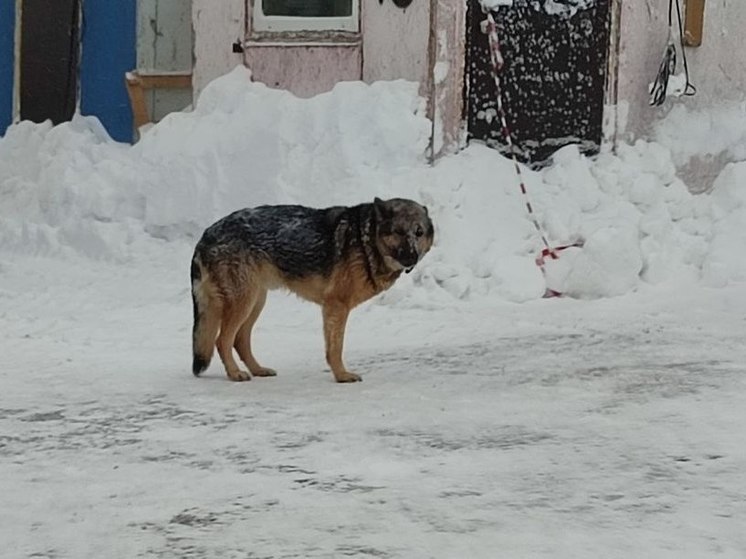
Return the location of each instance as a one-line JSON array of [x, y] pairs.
[[553, 79]]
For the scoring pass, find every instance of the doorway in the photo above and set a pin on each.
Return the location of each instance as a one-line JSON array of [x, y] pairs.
[[553, 79], [49, 59]]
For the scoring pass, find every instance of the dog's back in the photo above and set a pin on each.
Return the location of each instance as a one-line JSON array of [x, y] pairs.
[[297, 240]]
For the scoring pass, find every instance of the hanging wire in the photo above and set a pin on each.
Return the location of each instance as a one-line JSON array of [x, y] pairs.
[[668, 64], [667, 67]]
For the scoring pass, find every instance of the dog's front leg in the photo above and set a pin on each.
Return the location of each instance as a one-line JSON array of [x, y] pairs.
[[335, 319]]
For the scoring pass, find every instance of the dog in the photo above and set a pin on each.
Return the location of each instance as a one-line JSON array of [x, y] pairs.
[[337, 257]]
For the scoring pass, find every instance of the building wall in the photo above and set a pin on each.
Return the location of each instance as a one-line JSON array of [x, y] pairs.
[[306, 70], [393, 44], [164, 44], [108, 43], [395, 41], [94, 78], [107, 53], [308, 63], [448, 44], [716, 67], [217, 25]]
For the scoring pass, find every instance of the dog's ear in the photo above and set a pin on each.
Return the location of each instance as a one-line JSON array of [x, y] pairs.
[[381, 210]]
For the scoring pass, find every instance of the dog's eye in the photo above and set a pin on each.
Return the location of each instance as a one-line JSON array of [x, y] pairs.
[[418, 232]]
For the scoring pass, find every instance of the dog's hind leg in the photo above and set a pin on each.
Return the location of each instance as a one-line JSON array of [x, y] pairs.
[[243, 339], [235, 314]]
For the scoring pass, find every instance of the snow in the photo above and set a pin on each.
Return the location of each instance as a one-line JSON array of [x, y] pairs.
[[564, 8], [70, 188], [554, 428], [493, 4], [607, 423], [440, 72], [720, 130]]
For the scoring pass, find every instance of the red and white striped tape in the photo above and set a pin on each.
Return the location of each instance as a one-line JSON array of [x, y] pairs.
[[490, 28]]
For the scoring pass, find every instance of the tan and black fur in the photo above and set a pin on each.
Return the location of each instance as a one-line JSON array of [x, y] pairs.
[[337, 257]]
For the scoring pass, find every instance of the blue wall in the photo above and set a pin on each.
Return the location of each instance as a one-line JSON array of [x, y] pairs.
[[108, 51], [7, 30]]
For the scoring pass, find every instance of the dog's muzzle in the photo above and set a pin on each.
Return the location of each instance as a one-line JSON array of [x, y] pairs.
[[408, 261], [408, 258]]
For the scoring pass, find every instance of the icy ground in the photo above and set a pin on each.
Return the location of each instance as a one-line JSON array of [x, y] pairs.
[[555, 428]]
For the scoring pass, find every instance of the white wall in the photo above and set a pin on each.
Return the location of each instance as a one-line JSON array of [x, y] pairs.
[[717, 68], [395, 41], [217, 24], [395, 44]]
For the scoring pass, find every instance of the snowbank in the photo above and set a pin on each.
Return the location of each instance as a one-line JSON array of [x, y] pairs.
[[71, 188], [244, 144], [720, 131]]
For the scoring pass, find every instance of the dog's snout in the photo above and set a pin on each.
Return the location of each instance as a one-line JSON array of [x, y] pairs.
[[408, 258]]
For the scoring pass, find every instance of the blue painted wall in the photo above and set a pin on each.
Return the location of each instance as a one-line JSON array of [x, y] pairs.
[[108, 51], [7, 31]]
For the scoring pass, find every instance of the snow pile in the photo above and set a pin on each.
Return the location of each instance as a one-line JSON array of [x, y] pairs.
[[70, 188], [716, 131], [244, 144], [636, 219], [725, 260], [64, 187]]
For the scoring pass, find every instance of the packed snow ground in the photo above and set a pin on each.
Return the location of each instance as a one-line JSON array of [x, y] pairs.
[[490, 422], [555, 428]]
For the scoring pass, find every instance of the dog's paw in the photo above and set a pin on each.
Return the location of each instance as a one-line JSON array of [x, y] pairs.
[[264, 372], [238, 375], [347, 377]]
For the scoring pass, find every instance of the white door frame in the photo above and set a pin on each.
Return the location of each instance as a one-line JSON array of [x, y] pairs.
[[612, 120]]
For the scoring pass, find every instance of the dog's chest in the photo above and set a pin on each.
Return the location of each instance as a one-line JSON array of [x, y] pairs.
[[372, 288], [385, 282]]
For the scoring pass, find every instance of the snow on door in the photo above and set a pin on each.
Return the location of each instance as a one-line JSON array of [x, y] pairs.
[[553, 79]]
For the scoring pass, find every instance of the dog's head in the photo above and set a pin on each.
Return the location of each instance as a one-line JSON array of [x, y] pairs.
[[405, 232]]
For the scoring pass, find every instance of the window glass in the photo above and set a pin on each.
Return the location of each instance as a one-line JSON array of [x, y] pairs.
[[307, 8]]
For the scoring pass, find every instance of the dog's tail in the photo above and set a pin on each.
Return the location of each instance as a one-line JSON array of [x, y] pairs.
[[204, 331]]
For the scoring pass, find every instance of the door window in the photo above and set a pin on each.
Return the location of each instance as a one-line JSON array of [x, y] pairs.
[[306, 15]]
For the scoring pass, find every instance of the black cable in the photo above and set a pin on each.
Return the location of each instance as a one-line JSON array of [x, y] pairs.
[[667, 67], [668, 64]]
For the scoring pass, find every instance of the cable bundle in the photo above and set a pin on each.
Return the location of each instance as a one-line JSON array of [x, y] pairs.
[[659, 90]]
